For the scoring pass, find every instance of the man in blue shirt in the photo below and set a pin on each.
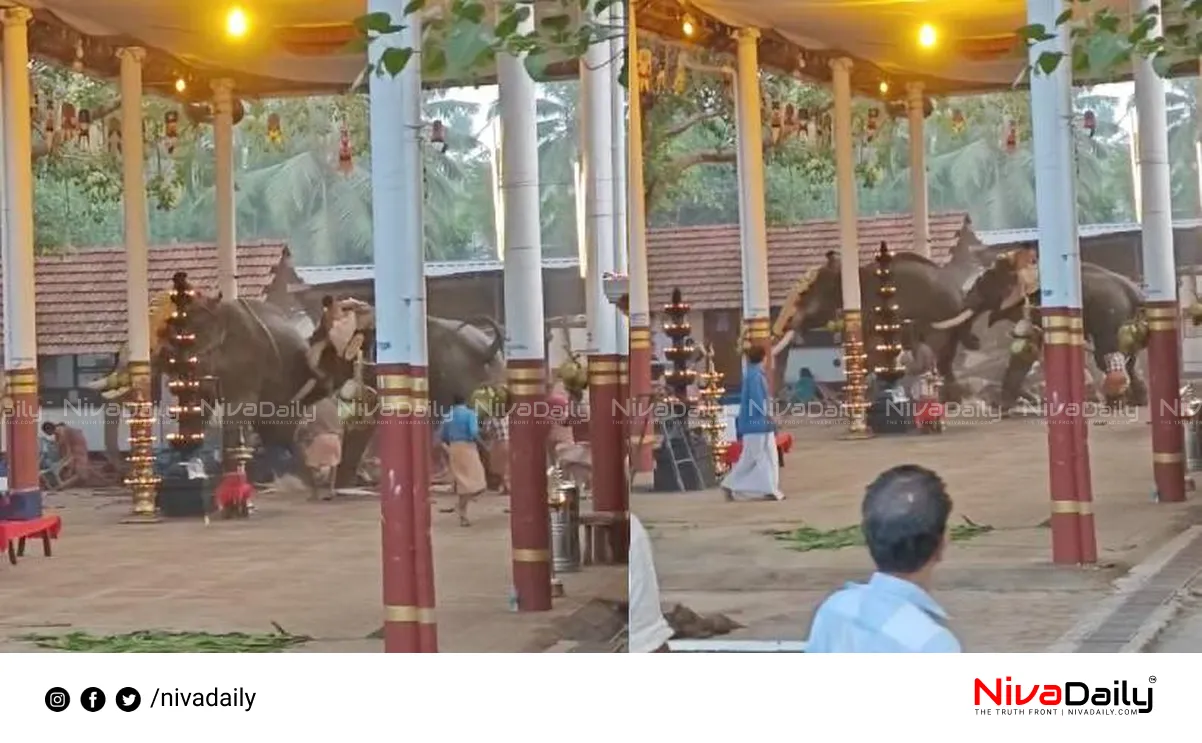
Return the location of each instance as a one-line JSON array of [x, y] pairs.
[[460, 433], [905, 515], [756, 476]]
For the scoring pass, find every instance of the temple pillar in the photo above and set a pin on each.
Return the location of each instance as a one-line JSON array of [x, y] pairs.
[[20, 323], [223, 153], [749, 131], [640, 303], [605, 431], [919, 209], [1074, 539], [525, 354], [627, 415], [137, 284], [401, 375], [1160, 278], [855, 360]]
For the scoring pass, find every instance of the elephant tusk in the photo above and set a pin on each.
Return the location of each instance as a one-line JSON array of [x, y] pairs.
[[952, 322], [785, 341]]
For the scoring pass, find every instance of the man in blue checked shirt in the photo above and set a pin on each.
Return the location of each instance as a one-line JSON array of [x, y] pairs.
[[905, 515]]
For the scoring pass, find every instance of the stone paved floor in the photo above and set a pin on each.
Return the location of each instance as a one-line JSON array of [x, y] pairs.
[[311, 567], [1184, 633], [1000, 588]]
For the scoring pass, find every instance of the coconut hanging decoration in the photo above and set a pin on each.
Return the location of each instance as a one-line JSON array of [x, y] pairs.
[[438, 136], [958, 122], [1090, 121], [170, 131], [346, 162], [85, 125], [68, 119], [275, 133]]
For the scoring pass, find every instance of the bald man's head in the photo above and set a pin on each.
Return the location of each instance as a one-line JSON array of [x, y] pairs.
[[905, 515]]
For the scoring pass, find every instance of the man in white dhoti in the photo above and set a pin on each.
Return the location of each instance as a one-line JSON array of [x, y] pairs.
[[647, 630], [756, 476]]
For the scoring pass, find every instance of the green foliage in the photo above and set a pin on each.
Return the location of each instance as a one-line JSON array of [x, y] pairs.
[[150, 641], [808, 539], [1103, 42]]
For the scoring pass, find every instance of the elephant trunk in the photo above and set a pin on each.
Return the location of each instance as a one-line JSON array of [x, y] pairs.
[[498, 341]]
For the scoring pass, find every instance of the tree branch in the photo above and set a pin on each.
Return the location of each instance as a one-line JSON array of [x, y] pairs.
[[689, 123]]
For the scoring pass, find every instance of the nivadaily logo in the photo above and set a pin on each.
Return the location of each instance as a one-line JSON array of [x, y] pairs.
[[1070, 697]]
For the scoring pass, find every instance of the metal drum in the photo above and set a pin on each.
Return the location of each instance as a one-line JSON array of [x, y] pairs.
[[564, 507]]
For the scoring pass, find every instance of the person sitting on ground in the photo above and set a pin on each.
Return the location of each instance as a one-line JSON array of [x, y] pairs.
[[647, 630], [460, 434], [756, 476], [904, 519]]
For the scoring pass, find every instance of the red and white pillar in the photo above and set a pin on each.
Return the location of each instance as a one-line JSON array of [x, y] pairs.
[[402, 380], [525, 355], [1160, 275], [640, 303], [1074, 539], [855, 359], [20, 325], [606, 434], [749, 128]]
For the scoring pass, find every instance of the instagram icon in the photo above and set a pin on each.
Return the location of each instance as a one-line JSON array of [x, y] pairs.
[[57, 699]]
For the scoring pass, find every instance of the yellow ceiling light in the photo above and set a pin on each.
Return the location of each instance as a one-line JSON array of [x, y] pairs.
[[181, 85], [884, 87], [236, 23], [688, 26], [928, 37]]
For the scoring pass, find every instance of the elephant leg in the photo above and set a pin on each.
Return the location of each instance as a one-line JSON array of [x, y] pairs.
[[945, 364], [1013, 379], [1137, 390]]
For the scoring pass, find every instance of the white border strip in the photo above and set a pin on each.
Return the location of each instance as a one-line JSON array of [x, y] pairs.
[[1134, 580], [737, 646]]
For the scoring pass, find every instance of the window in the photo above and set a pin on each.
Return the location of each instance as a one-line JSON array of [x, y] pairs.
[[56, 372], [92, 366]]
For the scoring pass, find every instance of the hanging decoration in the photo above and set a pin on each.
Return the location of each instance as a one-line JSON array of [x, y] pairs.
[[1010, 135], [887, 327], [170, 131], [646, 66], [872, 124], [345, 157], [1091, 123], [711, 420], [112, 135], [182, 363], [85, 124], [958, 122], [681, 352], [438, 136], [275, 133], [68, 119]]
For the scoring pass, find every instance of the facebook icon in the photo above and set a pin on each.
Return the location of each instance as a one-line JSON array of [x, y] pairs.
[[92, 699]]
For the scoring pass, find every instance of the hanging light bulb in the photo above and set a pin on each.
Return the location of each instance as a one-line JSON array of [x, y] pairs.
[[688, 26], [180, 85]]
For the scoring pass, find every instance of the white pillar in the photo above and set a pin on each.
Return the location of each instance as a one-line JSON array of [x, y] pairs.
[[20, 323], [636, 205], [133, 172], [618, 131], [520, 203], [599, 193], [916, 107], [750, 134], [845, 184], [223, 152], [1160, 271]]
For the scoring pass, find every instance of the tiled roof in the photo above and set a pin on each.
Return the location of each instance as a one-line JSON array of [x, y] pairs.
[[704, 262], [81, 295]]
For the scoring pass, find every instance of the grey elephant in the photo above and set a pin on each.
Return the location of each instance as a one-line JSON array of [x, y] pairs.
[[926, 292], [1112, 308]]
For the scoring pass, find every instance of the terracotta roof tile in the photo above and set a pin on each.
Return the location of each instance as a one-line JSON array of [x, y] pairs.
[[81, 295], [704, 262]]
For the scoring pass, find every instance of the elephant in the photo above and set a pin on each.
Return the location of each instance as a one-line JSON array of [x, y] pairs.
[[1112, 308], [926, 292], [257, 358]]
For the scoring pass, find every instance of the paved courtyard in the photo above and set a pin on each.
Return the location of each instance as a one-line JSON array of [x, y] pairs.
[[1000, 588], [311, 567]]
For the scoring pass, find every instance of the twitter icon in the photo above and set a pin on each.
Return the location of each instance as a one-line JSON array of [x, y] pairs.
[[128, 699]]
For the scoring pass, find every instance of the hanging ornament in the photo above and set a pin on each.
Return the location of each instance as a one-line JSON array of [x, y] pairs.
[[85, 124], [804, 124], [645, 65], [872, 124], [776, 122], [113, 135], [438, 135], [49, 121], [345, 160], [275, 134], [1091, 123], [958, 122], [78, 63], [791, 122], [68, 119], [1011, 140], [171, 131]]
